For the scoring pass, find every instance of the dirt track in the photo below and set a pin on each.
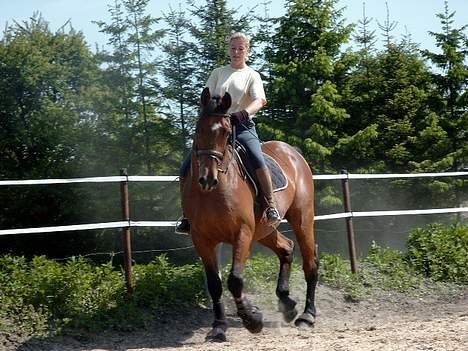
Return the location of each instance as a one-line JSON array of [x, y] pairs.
[[387, 322]]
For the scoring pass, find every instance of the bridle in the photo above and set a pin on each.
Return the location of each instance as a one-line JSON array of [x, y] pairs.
[[218, 156]]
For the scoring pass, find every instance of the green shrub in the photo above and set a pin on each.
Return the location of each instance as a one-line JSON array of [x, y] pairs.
[[382, 269], [42, 296], [335, 272], [440, 252], [63, 295], [387, 269], [261, 271], [162, 284]]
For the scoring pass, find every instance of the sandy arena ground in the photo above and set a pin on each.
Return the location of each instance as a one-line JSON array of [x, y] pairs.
[[390, 321]]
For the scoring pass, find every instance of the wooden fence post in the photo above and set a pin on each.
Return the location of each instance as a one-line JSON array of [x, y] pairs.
[[349, 222], [126, 232]]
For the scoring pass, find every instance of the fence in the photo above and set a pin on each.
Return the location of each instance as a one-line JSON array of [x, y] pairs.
[[127, 223]]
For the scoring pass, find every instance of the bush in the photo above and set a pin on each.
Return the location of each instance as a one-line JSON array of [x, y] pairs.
[[387, 269], [440, 252], [42, 295], [160, 284], [63, 295], [382, 269]]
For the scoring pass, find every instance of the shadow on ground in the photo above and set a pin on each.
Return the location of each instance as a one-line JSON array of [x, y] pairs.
[[169, 330]]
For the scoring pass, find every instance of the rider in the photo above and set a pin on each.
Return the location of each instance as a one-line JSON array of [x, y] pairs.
[[248, 96]]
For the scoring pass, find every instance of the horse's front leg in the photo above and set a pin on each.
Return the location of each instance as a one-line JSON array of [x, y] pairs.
[[215, 288], [251, 316]]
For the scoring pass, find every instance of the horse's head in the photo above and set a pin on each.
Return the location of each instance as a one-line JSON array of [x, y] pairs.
[[212, 137]]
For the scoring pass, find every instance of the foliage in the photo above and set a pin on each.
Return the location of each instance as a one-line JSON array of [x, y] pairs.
[[261, 273], [61, 295], [161, 284], [44, 79], [42, 295], [335, 272], [305, 60], [440, 252], [140, 136], [451, 83], [211, 25], [382, 269], [178, 70]]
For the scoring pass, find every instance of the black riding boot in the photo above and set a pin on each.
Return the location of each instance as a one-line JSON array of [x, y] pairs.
[[272, 214], [183, 226]]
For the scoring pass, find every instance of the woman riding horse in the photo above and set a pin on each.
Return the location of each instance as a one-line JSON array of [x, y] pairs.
[[245, 88]]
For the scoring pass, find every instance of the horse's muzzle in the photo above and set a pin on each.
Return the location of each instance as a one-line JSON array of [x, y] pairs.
[[209, 161], [208, 182]]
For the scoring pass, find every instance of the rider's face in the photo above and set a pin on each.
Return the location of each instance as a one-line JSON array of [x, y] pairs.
[[239, 52]]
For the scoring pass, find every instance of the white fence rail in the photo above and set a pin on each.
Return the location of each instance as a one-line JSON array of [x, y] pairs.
[[124, 224]]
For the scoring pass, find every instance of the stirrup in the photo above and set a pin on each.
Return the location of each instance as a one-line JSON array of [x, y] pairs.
[[182, 226], [272, 215]]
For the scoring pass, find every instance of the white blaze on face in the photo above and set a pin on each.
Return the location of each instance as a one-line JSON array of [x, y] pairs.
[[216, 126]]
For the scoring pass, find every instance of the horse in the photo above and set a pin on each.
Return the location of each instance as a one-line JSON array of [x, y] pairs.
[[220, 205]]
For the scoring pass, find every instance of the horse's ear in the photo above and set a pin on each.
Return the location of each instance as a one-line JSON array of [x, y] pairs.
[[205, 96], [226, 101]]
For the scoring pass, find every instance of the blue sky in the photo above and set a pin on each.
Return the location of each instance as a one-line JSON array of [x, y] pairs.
[[416, 17]]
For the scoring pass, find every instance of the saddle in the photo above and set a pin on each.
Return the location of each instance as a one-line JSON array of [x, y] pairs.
[[278, 177]]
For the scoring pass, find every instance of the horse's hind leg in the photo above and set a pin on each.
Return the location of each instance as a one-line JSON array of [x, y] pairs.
[[303, 226], [210, 263], [283, 247]]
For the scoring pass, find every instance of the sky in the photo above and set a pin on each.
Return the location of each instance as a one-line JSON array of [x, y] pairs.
[[416, 17]]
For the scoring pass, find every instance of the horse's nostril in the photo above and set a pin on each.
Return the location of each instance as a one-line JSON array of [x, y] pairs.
[[202, 181]]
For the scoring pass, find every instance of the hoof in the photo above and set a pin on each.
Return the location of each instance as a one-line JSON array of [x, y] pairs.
[[305, 321], [216, 334], [252, 319], [288, 310]]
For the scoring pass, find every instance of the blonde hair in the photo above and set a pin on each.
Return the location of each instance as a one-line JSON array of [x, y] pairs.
[[240, 35]]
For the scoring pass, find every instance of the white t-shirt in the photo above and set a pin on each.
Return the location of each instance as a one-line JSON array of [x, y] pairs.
[[244, 85]]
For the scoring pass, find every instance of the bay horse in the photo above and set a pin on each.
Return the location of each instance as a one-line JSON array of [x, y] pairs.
[[220, 205]]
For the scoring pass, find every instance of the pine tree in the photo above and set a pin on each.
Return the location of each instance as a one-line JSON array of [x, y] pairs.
[[118, 120], [306, 58], [213, 23], [143, 38], [132, 71], [444, 143], [264, 30], [359, 89], [451, 99], [178, 69]]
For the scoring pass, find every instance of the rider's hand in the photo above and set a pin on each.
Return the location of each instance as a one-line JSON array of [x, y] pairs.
[[240, 117]]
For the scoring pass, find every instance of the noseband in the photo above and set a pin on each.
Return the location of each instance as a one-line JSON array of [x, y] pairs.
[[214, 154]]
